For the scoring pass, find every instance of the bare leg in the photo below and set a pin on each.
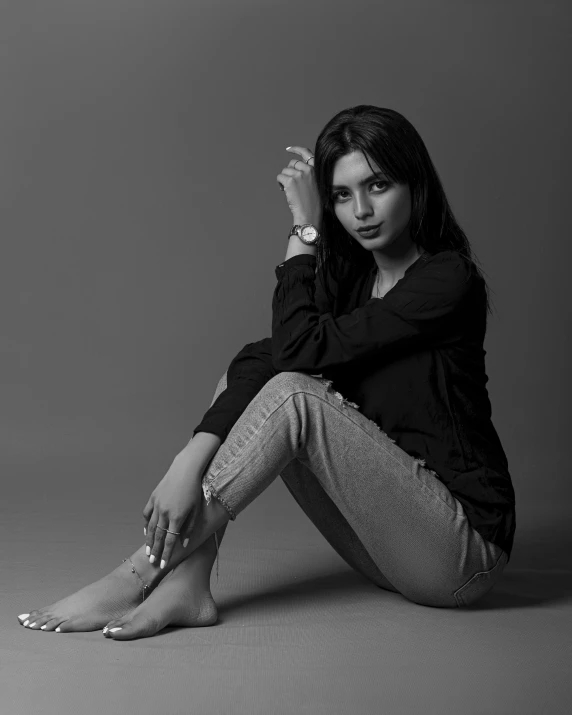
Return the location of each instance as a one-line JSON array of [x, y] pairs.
[[183, 598], [118, 593]]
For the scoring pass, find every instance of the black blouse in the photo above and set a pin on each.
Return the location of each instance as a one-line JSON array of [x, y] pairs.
[[413, 362]]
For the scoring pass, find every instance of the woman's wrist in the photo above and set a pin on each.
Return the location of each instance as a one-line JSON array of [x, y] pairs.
[[200, 450]]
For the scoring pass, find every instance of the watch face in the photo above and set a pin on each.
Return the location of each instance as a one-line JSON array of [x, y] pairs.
[[309, 234]]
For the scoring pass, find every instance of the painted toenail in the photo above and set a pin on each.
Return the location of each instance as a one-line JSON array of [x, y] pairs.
[[147, 550], [32, 624], [42, 627], [112, 630], [26, 623], [105, 629], [58, 630], [23, 615], [151, 559]]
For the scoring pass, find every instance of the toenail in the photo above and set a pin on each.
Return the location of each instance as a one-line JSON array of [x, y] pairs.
[[112, 630], [26, 623], [105, 629], [152, 559], [58, 630], [23, 615], [32, 624], [42, 627]]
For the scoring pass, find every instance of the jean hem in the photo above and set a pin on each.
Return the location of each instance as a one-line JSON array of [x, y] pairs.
[[209, 490]]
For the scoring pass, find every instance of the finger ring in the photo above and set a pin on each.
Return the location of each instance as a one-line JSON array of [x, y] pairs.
[[308, 160], [163, 529]]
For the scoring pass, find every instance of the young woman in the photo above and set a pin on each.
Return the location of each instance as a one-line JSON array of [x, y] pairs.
[[369, 400]]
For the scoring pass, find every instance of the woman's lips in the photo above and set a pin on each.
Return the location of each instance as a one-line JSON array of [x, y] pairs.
[[371, 232]]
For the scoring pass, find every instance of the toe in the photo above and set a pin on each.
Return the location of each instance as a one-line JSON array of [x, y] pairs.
[[30, 618], [72, 624], [52, 624], [115, 632], [139, 626], [115, 623], [63, 626], [42, 620]]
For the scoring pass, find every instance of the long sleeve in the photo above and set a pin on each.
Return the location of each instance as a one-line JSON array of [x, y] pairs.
[[413, 315], [246, 375]]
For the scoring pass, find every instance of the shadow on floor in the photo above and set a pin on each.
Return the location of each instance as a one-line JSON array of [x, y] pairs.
[[539, 573]]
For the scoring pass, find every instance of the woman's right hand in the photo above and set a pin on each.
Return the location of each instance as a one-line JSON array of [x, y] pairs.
[[175, 502]]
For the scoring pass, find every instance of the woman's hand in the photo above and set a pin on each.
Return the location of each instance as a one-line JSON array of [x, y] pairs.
[[174, 503], [298, 182]]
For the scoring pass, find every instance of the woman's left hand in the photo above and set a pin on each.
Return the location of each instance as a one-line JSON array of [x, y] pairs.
[[298, 182]]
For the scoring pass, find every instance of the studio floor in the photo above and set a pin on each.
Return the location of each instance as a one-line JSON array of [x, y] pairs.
[[298, 630]]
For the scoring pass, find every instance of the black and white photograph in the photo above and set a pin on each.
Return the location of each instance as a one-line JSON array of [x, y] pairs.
[[285, 331]]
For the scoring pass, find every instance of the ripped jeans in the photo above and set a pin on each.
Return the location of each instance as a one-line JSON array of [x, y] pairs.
[[387, 515]]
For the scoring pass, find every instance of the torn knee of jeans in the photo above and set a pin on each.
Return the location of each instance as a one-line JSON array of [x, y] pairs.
[[418, 462], [341, 398]]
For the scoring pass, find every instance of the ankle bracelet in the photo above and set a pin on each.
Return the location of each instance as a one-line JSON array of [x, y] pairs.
[[134, 570]]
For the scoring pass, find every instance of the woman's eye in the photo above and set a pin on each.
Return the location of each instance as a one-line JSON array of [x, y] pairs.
[[337, 194]]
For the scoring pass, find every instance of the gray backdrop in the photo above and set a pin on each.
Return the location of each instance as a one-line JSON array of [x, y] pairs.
[[141, 224], [142, 221]]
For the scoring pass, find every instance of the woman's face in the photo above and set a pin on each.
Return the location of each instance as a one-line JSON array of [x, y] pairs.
[[361, 199]]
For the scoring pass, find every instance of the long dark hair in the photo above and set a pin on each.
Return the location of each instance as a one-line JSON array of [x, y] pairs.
[[397, 148]]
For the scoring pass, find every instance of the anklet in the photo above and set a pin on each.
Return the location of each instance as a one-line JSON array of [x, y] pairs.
[[134, 570]]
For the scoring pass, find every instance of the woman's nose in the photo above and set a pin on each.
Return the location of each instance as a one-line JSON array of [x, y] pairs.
[[362, 210]]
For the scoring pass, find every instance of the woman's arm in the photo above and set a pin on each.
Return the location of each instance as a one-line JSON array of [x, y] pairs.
[[200, 450]]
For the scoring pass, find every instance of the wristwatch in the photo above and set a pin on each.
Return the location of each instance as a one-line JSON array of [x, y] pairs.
[[307, 233]]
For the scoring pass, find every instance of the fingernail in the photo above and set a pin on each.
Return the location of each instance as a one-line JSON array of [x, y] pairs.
[[145, 531], [185, 542], [23, 615], [147, 550], [58, 630], [26, 623], [42, 627], [152, 559], [105, 629], [288, 147], [162, 563], [112, 630]]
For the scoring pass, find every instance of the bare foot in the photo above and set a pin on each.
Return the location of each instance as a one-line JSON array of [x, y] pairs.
[[91, 607], [183, 598]]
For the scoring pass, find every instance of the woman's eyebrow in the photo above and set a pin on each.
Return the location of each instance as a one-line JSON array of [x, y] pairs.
[[362, 182]]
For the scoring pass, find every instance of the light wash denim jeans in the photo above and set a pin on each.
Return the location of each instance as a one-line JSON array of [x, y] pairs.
[[384, 512]]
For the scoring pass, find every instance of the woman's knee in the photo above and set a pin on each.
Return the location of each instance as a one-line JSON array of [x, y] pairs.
[[291, 382]]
